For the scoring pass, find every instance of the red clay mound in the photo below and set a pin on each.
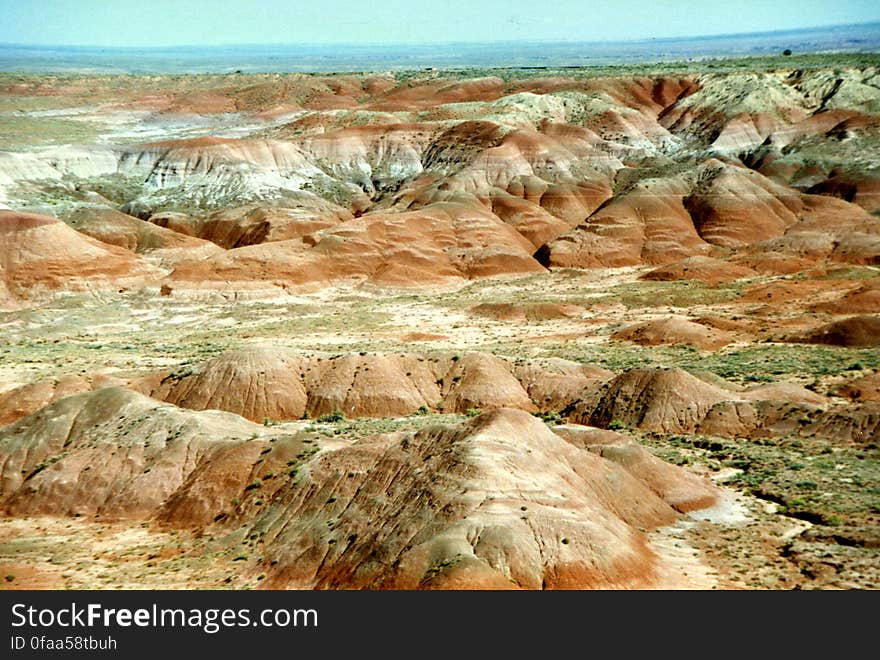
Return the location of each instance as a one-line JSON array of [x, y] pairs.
[[734, 324], [110, 226], [647, 225], [117, 454], [258, 384], [555, 384], [499, 502], [787, 392], [864, 300], [665, 400], [774, 261], [683, 490], [270, 383], [482, 380], [441, 244], [845, 425], [674, 331], [273, 383], [865, 388], [536, 224], [857, 331], [545, 513], [26, 399], [829, 231], [254, 224], [40, 253], [862, 189], [663, 221], [704, 269], [411, 337], [733, 206], [371, 385], [789, 291], [527, 311], [858, 425]]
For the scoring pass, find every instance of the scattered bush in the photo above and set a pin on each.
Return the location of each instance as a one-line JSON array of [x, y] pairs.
[[549, 417]]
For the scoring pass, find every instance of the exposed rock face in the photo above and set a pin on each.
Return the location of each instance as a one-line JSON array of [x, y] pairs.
[[279, 384], [114, 453], [723, 217], [443, 244], [680, 217], [647, 224], [681, 489], [217, 166], [553, 385], [253, 224], [53, 164], [256, 384], [674, 401], [500, 502], [666, 400], [844, 425], [860, 188], [273, 383]]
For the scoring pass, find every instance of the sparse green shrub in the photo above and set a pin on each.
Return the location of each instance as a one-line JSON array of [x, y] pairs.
[[329, 418], [549, 417]]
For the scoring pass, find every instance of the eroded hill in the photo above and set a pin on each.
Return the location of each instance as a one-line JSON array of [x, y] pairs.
[[444, 331]]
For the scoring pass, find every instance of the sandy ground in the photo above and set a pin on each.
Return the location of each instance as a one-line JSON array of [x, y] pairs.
[[62, 553]]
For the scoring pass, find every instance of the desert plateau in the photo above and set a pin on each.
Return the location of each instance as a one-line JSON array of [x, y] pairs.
[[505, 328]]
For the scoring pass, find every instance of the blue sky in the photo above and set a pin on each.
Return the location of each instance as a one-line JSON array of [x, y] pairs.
[[214, 22]]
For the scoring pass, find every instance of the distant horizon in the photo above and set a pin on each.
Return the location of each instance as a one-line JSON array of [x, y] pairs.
[[133, 24], [861, 38], [194, 46]]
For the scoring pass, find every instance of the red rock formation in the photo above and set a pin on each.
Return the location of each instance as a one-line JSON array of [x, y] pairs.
[[674, 331], [500, 502], [39, 254]]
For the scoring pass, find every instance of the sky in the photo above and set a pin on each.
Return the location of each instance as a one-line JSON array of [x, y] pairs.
[[162, 23]]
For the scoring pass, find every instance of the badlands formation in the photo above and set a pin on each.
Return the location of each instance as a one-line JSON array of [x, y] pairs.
[[427, 330]]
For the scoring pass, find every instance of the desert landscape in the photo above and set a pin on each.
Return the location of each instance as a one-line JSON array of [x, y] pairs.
[[524, 328]]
